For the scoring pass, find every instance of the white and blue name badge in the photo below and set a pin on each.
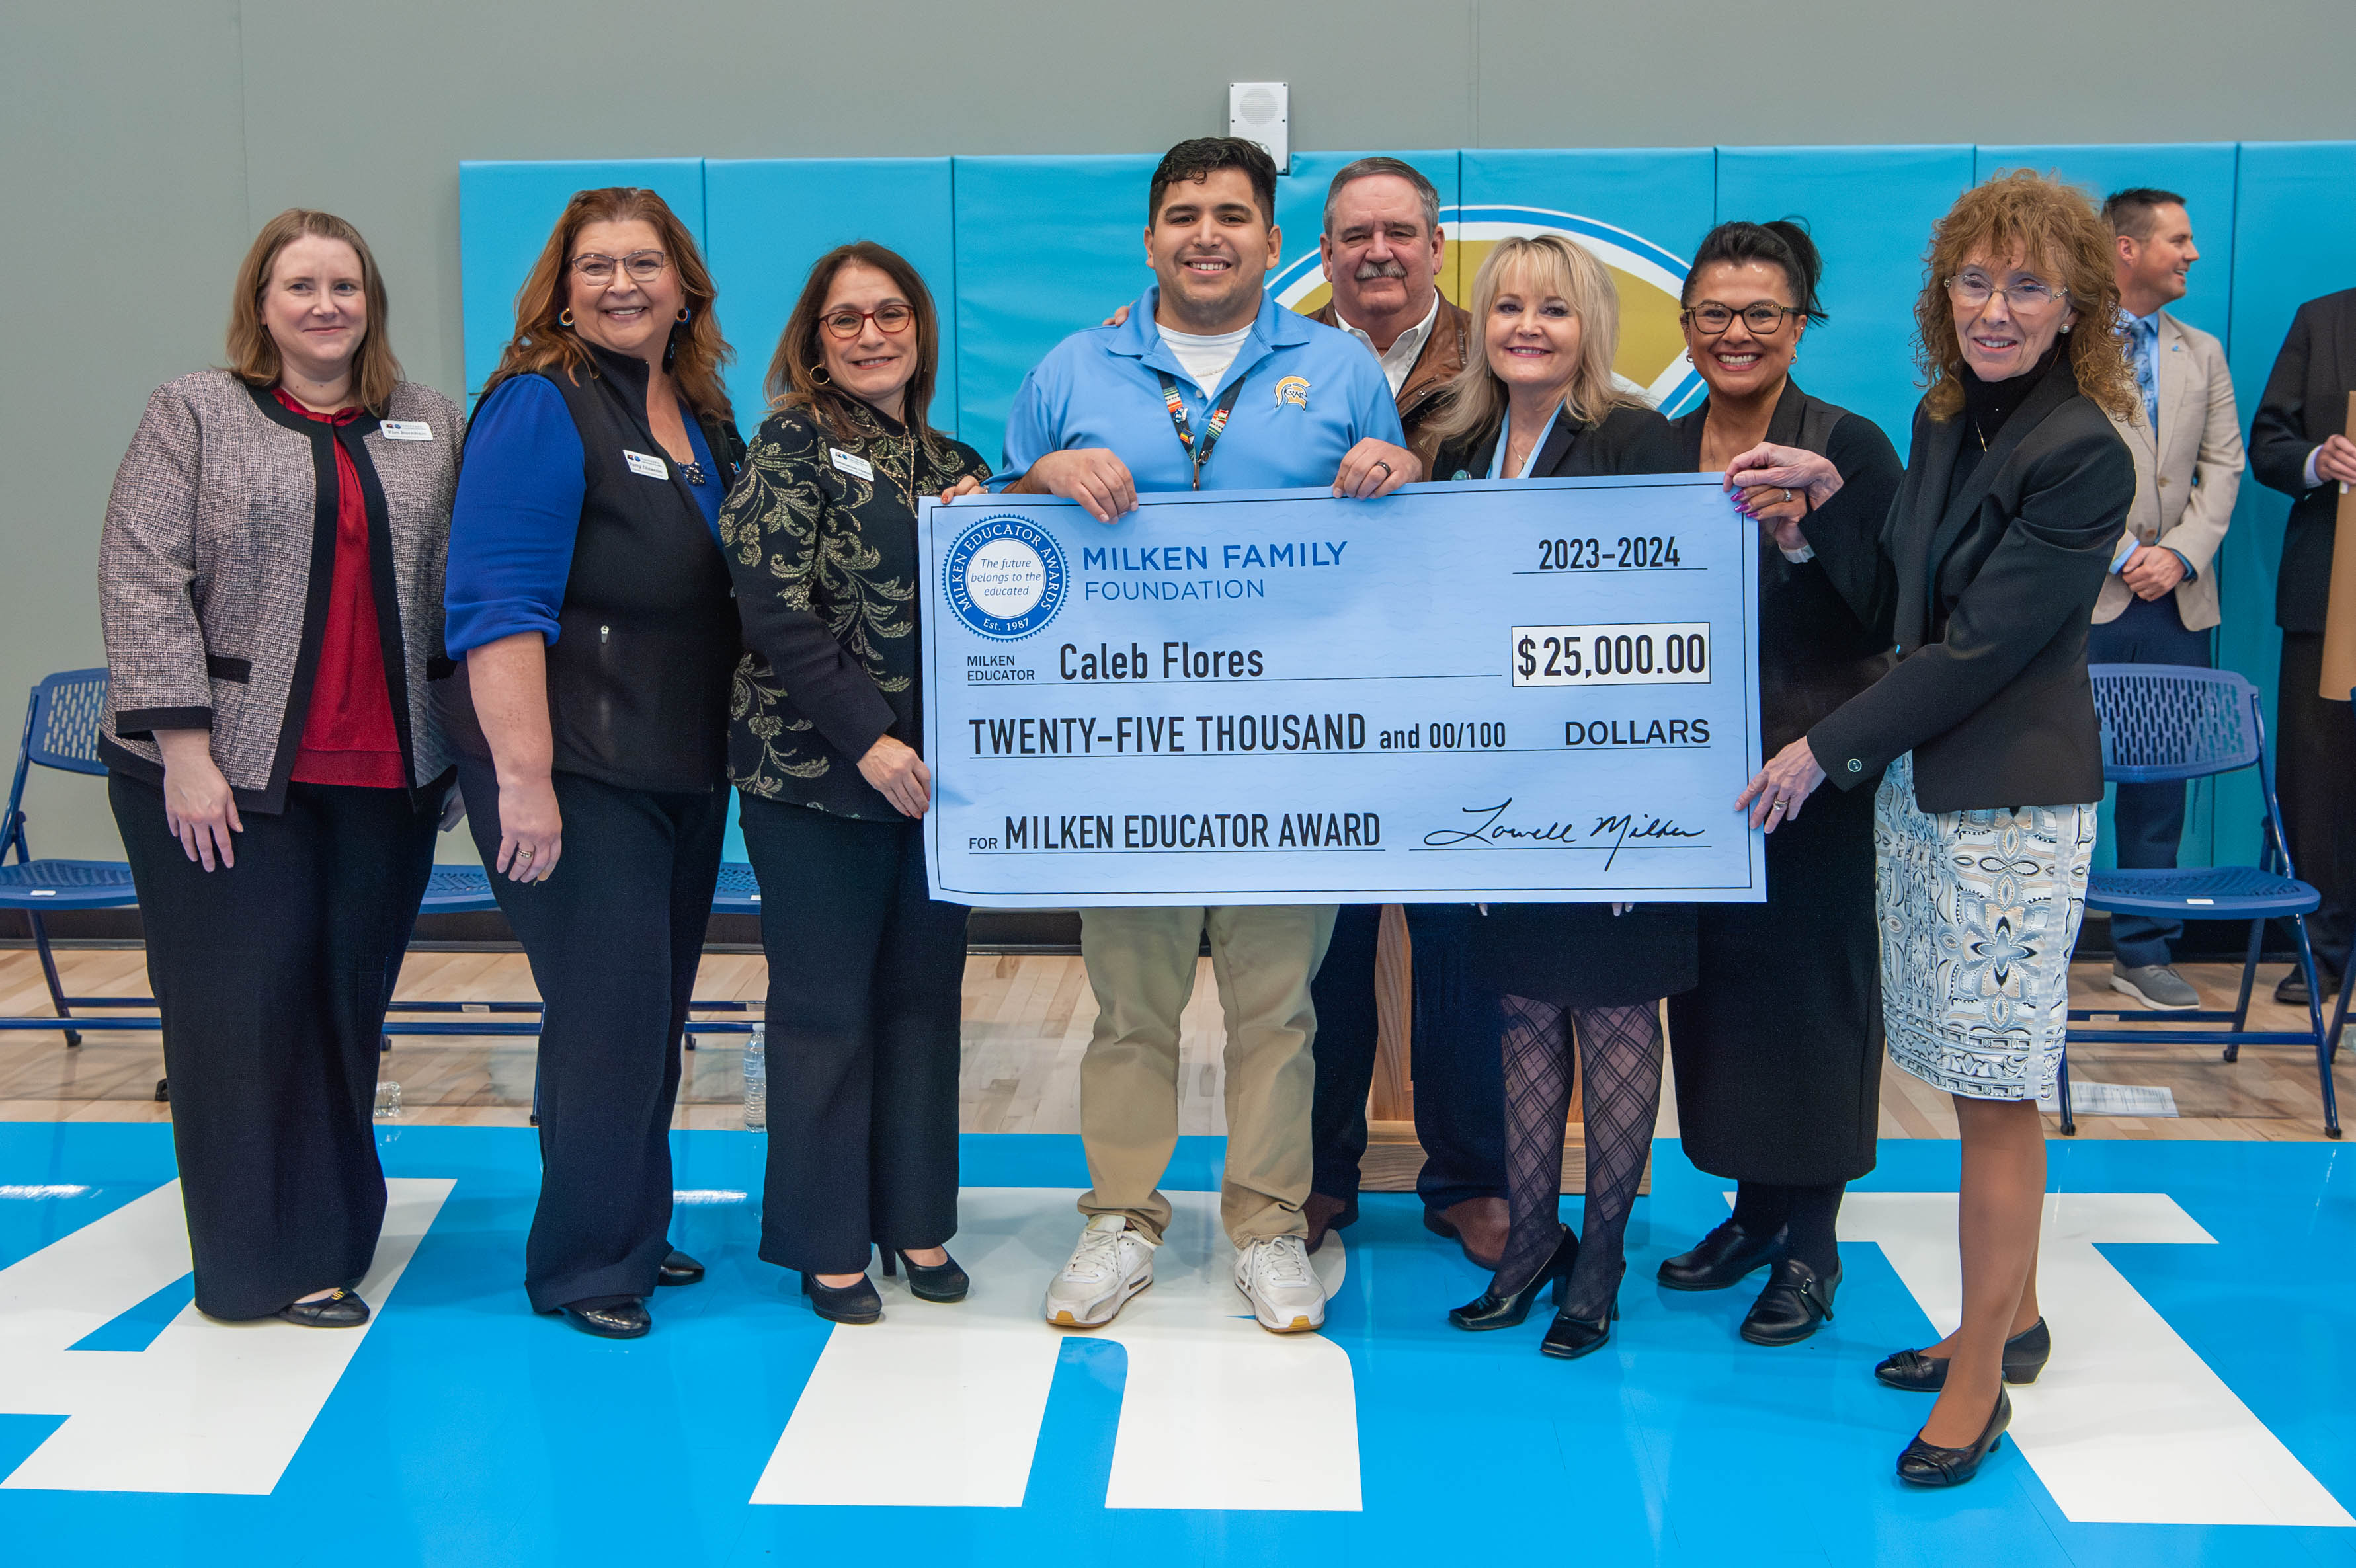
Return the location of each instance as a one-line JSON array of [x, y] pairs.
[[405, 430], [651, 467], [1519, 691]]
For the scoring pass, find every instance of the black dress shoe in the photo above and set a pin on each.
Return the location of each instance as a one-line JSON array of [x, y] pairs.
[[1720, 1258], [679, 1269], [1490, 1310], [2025, 1355], [2291, 990], [623, 1319], [1796, 1301], [942, 1282], [1926, 1466], [851, 1304], [339, 1308], [1568, 1337]]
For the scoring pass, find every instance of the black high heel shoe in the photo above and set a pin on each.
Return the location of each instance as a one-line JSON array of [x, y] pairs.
[[2025, 1355], [1568, 1337], [1721, 1258], [943, 1281], [849, 1303], [1924, 1464], [1490, 1310]]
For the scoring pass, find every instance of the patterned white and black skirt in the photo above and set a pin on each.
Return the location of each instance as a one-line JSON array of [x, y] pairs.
[[1979, 910]]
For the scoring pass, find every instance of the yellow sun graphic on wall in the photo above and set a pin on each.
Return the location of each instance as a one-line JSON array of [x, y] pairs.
[[1649, 277]]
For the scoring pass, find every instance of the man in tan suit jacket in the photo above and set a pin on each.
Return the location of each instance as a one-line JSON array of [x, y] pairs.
[[2160, 602]]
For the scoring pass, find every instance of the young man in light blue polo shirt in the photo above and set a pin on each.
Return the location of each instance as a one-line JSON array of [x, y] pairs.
[[1208, 385]]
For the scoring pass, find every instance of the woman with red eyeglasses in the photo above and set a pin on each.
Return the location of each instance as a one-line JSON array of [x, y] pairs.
[[866, 966]]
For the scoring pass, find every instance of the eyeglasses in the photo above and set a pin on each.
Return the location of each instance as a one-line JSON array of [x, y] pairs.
[[1976, 289], [1763, 317], [643, 266], [846, 322]]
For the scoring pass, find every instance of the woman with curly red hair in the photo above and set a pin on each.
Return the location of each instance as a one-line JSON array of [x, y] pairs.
[[1984, 736]]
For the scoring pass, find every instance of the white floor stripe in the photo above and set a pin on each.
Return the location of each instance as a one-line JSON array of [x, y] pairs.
[[2127, 1426], [208, 1407], [1216, 1413]]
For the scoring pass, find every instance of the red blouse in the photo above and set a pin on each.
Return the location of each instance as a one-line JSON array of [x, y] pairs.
[[349, 736]]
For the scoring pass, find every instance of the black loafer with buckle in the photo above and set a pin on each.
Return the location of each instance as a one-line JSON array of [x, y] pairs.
[[339, 1308], [1794, 1303]]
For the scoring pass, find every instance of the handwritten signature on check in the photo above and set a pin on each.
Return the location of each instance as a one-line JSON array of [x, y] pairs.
[[1611, 830]]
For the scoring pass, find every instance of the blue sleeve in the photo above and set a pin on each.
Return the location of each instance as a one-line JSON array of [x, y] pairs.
[[1378, 411], [1031, 430], [516, 516]]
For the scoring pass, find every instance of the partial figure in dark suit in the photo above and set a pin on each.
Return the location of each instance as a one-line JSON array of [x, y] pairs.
[[1580, 984], [2160, 603], [1778, 1047], [1985, 734], [2299, 444]]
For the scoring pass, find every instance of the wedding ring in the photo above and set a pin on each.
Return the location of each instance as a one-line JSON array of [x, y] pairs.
[[525, 853], [1381, 465], [1787, 495]]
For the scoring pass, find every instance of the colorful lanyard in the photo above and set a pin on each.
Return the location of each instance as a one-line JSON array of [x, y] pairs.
[[1212, 427]]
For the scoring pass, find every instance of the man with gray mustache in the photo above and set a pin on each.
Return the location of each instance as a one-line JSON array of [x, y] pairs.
[[1382, 248]]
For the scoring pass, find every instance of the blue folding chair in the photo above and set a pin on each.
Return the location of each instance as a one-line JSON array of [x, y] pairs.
[[2167, 722], [61, 732]]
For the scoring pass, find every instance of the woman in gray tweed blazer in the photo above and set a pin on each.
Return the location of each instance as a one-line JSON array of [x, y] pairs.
[[271, 583]]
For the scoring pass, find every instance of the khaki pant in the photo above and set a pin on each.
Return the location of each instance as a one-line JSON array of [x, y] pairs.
[[1141, 967]]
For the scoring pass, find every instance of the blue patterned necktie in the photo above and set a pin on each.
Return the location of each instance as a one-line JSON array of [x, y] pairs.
[[2145, 336]]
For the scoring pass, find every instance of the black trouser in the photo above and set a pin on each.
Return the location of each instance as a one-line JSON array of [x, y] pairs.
[[1460, 1091], [866, 970], [614, 935], [2146, 820], [272, 976], [2315, 761]]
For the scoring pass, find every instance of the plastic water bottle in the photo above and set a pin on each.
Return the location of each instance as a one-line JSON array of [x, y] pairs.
[[756, 1079]]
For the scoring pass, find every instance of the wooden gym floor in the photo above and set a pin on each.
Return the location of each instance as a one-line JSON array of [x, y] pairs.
[[1027, 1022]]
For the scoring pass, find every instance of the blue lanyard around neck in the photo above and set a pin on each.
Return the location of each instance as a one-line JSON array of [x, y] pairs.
[[1505, 433]]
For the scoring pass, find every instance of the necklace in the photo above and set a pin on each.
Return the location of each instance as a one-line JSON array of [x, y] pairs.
[[692, 472]]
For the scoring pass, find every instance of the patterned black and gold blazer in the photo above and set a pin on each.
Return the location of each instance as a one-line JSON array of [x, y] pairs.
[[820, 537]]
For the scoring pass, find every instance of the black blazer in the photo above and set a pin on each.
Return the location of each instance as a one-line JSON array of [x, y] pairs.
[[1630, 440], [2306, 400], [1992, 595], [1824, 624]]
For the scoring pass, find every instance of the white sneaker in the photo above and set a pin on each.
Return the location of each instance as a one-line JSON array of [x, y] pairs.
[[1276, 1278], [1111, 1264]]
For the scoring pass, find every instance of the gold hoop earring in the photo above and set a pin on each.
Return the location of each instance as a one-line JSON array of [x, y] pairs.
[[818, 374], [564, 316]]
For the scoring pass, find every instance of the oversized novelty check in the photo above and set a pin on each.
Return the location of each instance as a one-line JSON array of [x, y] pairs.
[[1530, 690]]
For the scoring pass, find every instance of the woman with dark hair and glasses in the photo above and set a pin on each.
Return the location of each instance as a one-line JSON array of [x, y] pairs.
[[1779, 1048], [590, 609], [866, 966]]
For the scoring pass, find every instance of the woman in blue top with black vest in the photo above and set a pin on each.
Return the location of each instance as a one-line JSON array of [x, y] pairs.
[[590, 608]]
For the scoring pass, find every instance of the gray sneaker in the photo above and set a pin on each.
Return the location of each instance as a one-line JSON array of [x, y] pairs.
[[2156, 985]]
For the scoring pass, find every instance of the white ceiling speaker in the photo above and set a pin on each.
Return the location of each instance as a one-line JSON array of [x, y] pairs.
[[1260, 112]]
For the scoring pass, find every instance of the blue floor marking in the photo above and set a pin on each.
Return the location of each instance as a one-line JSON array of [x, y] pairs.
[[136, 1329], [468, 1431]]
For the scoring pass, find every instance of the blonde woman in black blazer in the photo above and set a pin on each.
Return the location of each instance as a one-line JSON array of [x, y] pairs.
[[1992, 555]]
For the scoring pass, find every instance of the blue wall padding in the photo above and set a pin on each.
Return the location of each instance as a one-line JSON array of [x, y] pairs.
[[1870, 209], [768, 219], [1044, 247], [1023, 251], [505, 213]]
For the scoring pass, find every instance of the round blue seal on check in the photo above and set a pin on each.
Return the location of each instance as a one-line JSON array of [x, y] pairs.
[[1004, 577]]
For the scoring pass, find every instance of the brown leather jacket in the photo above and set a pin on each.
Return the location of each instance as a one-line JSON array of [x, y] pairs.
[[1419, 399]]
